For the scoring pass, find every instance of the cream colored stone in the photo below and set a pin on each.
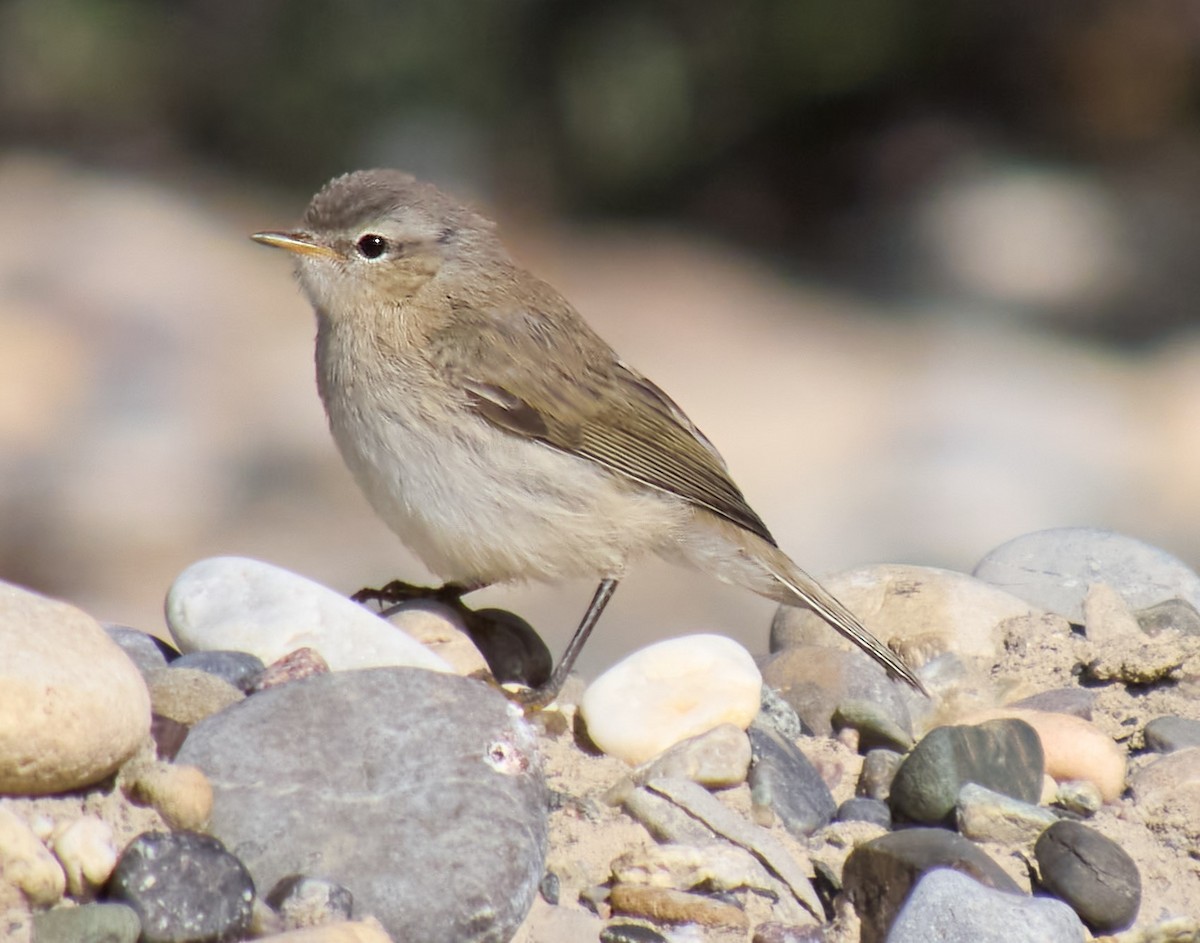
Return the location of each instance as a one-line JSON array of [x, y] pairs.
[[1074, 748], [356, 931], [26, 864], [668, 692], [1107, 617], [86, 850], [73, 706], [439, 628], [181, 794]]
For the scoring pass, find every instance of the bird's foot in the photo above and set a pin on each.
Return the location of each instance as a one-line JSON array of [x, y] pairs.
[[397, 592]]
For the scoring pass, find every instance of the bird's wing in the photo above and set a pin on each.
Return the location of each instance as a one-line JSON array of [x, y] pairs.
[[584, 401]]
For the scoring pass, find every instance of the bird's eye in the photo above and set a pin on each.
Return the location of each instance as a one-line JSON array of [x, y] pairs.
[[372, 246]]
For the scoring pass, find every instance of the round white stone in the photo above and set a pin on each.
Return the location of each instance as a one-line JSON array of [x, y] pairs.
[[668, 692], [73, 707], [246, 605]]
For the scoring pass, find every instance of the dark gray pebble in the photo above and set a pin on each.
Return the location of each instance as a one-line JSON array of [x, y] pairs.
[[1077, 702], [1168, 734], [90, 923], [879, 874], [1090, 872], [185, 888], [168, 735], [630, 933], [784, 780], [241, 669], [878, 771], [550, 887], [143, 649], [421, 792], [1002, 755], [1172, 615], [513, 650], [861, 809], [303, 901]]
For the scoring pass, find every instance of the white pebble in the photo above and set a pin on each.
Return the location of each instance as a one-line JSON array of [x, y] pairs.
[[86, 851], [668, 692], [250, 606]]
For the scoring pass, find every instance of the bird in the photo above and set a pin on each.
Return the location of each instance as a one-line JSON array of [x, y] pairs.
[[496, 433]]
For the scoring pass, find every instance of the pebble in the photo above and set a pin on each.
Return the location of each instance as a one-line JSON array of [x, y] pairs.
[[1003, 755], [718, 758], [27, 864], [143, 649], [1078, 702], [629, 933], [785, 781], [1053, 570], [303, 901], [861, 809], [434, 777], [878, 773], [188, 695], [514, 652], [670, 691], [1173, 615], [1165, 778], [294, 666], [1073, 747], [772, 932], [441, 629], [73, 706], [952, 908], [777, 713], [249, 606], [1090, 872], [184, 886], [875, 726], [880, 873], [1106, 616], [1078, 796], [664, 905], [987, 816], [168, 736], [1168, 734], [718, 866], [91, 923], [364, 931], [935, 610], [180, 793], [240, 669], [816, 680], [87, 853]]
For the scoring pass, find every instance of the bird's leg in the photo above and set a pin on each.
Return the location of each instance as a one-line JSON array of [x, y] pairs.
[[541, 696], [397, 592]]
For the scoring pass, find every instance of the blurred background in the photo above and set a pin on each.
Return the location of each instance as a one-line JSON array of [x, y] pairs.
[[924, 270]]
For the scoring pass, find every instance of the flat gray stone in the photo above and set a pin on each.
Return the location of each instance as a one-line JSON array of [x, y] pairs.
[[420, 792]]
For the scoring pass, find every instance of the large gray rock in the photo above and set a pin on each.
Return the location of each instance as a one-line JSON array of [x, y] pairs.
[[420, 792]]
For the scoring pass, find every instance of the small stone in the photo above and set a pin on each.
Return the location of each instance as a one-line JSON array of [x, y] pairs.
[[250, 606], [91, 923], [183, 886], [1090, 872], [1074, 748], [1079, 796], [878, 772], [785, 933], [359, 931], [778, 714], [1106, 616], [1173, 615], [514, 652], [310, 902], [1053, 569], [1077, 702], [27, 864], [717, 866], [143, 649], [630, 933], [875, 726], [1167, 779], [1004, 755], [816, 680], [294, 666], [1168, 734], [442, 629], [188, 696], [859, 809], [987, 816], [87, 853], [73, 707], [664, 905], [662, 818], [550, 887], [668, 692], [952, 908], [784, 780], [238, 668], [717, 759], [880, 873], [181, 794]]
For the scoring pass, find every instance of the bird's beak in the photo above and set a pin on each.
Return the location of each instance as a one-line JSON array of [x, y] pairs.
[[299, 242]]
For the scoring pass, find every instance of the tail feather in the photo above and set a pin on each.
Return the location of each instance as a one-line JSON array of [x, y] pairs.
[[814, 596]]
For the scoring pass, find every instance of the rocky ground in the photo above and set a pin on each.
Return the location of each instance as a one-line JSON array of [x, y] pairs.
[[296, 777]]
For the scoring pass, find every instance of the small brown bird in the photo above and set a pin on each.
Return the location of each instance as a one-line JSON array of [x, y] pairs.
[[492, 428]]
